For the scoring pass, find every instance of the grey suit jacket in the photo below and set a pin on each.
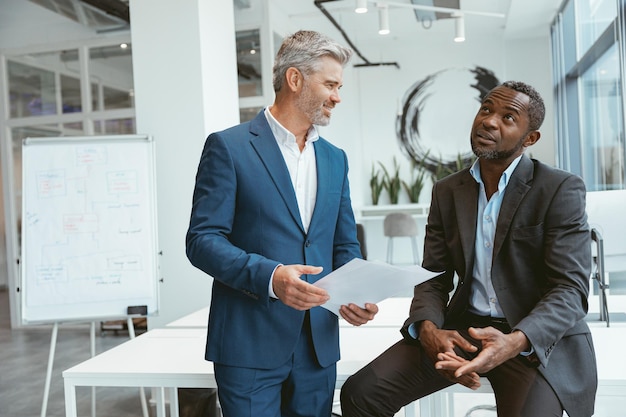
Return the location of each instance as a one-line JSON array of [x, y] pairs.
[[541, 269]]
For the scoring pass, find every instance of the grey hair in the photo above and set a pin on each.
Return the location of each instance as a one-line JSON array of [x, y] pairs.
[[303, 51]]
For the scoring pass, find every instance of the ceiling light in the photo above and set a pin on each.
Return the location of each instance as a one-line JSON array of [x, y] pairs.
[[459, 33], [361, 6], [383, 19]]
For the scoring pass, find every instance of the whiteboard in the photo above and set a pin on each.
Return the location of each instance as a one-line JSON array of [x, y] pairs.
[[89, 236]]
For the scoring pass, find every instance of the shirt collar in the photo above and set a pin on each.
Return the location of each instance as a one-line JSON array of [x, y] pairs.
[[282, 135], [506, 175]]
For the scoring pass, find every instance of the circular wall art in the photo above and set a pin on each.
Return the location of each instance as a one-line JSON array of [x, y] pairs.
[[434, 124]]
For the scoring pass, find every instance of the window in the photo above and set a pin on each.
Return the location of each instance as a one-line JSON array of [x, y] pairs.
[[602, 131], [589, 92], [32, 90], [46, 97], [593, 18]]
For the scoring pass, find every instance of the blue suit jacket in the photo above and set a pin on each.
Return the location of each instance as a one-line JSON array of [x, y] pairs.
[[244, 222]]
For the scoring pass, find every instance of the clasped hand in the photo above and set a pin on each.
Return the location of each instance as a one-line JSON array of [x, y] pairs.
[[496, 348], [301, 295]]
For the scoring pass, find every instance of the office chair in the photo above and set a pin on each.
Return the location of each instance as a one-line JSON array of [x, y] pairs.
[[598, 275], [480, 407], [400, 224]]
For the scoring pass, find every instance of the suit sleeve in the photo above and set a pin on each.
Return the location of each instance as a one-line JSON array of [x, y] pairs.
[[567, 264], [212, 216], [430, 298]]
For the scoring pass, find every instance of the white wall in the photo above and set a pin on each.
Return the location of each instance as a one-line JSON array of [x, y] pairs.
[[185, 88], [364, 123]]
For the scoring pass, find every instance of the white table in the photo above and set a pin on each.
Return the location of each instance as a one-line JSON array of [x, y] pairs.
[[173, 357], [159, 358], [196, 320]]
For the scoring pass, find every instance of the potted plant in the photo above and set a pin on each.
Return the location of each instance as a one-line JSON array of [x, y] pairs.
[[376, 185], [392, 183], [414, 188]]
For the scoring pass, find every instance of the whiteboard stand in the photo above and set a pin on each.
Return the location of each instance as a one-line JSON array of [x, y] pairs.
[[142, 393], [92, 337], [46, 389]]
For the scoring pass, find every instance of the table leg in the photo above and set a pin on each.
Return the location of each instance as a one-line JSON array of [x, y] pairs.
[[174, 402], [160, 401], [70, 399], [409, 410], [434, 405]]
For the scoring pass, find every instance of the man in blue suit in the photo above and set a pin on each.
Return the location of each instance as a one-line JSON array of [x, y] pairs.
[[271, 215]]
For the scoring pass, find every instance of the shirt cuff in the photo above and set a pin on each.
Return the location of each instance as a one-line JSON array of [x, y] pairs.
[[528, 353], [270, 289]]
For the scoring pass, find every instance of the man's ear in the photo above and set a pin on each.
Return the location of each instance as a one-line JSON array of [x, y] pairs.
[[531, 138], [294, 78]]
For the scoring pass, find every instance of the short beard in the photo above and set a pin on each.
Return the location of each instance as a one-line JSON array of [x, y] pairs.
[[310, 107], [497, 155]]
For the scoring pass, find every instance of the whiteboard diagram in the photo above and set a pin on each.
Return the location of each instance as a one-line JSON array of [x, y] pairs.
[[89, 241]]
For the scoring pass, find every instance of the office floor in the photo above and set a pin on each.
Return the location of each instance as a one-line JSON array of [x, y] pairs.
[[23, 364]]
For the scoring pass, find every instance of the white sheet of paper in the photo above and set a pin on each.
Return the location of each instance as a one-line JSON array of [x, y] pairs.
[[361, 282]]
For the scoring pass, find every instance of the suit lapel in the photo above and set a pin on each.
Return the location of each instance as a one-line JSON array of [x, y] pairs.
[[322, 164], [515, 191], [466, 206], [264, 143]]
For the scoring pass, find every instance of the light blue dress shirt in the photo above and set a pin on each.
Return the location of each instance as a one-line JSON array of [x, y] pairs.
[[483, 299]]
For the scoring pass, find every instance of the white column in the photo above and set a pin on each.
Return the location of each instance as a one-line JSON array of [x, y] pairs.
[[185, 75]]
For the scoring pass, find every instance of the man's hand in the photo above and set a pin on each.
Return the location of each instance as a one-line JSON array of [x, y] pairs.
[[293, 291], [356, 315], [436, 341], [497, 348]]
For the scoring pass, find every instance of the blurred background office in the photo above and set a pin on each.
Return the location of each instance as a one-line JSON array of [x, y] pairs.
[[180, 70]]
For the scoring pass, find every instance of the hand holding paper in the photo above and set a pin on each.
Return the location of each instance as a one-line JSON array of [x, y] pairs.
[[361, 282]]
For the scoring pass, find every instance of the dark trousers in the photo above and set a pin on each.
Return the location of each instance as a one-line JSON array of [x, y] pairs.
[[404, 373], [298, 388]]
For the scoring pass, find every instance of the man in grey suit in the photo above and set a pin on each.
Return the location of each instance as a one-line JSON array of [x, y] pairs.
[[514, 233]]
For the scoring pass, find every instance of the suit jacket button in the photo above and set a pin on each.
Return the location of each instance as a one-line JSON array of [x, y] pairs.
[[307, 243]]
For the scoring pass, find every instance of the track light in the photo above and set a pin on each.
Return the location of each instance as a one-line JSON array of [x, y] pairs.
[[383, 19], [459, 22], [361, 6]]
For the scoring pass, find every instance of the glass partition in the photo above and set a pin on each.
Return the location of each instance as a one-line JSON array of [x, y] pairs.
[[32, 90], [111, 74], [249, 69], [70, 94]]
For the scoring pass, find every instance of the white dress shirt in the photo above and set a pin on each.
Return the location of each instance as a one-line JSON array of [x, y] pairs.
[[302, 170]]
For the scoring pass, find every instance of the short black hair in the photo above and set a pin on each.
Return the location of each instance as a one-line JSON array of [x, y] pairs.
[[536, 107]]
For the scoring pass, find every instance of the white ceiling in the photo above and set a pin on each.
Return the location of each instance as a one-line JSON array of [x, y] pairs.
[[523, 18]]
